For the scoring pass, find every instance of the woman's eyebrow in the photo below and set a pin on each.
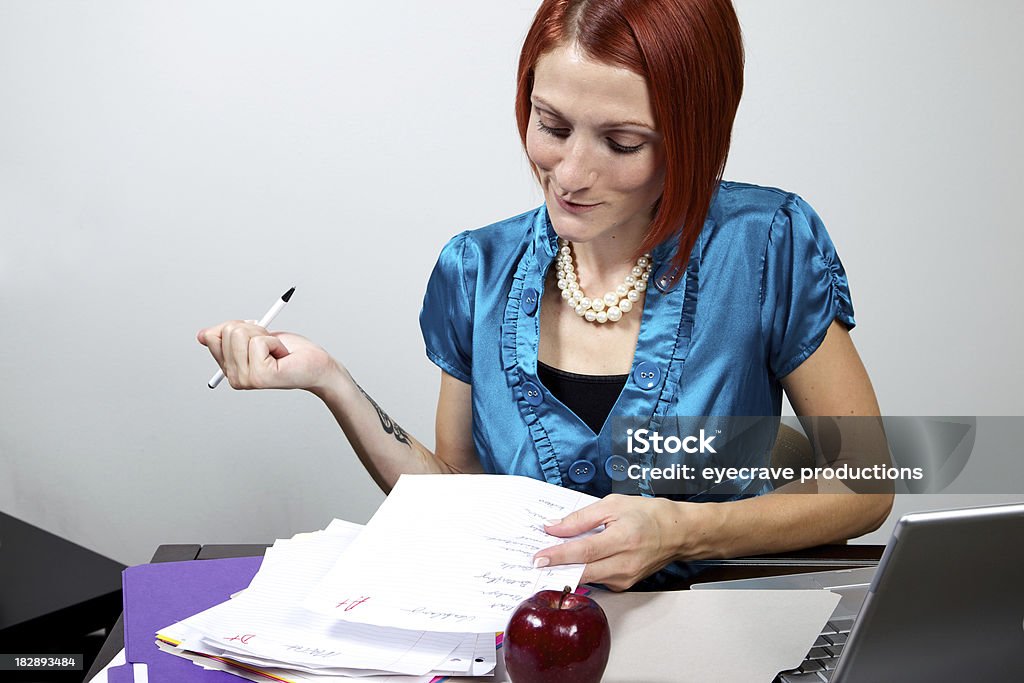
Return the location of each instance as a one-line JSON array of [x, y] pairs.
[[541, 104]]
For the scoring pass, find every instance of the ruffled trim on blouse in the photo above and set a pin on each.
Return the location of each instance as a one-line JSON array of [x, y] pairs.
[[691, 286], [511, 347]]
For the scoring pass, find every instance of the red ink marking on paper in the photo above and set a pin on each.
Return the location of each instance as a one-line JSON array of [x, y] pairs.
[[351, 604]]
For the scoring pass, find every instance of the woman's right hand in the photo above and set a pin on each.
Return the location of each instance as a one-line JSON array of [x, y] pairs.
[[253, 358]]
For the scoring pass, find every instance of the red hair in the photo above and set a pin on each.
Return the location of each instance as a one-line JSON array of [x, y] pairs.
[[690, 52]]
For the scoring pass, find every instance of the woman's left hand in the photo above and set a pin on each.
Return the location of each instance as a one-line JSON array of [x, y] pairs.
[[640, 536]]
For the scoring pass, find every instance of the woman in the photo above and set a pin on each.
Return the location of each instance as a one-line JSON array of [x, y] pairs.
[[625, 110]]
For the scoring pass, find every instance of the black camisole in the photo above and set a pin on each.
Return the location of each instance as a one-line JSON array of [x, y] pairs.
[[591, 397]]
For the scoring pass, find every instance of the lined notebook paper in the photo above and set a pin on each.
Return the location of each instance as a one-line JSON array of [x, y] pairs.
[[451, 553], [264, 624]]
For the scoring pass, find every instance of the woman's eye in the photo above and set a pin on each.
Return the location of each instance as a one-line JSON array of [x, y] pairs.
[[624, 149], [556, 132], [563, 133]]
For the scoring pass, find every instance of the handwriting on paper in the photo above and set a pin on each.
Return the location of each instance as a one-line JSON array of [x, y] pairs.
[[439, 548], [442, 616], [350, 604], [311, 651]]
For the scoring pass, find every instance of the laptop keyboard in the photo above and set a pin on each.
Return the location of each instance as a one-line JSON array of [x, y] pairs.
[[821, 661]]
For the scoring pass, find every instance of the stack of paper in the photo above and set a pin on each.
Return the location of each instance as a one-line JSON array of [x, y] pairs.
[[419, 592]]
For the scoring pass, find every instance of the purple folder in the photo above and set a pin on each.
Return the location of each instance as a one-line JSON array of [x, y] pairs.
[[158, 595]]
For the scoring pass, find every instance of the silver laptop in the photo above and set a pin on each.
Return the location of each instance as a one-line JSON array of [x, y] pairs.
[[946, 603]]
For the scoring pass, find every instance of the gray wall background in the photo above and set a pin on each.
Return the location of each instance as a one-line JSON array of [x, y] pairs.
[[166, 166]]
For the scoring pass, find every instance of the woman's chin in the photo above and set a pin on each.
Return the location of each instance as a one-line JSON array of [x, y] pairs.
[[573, 228]]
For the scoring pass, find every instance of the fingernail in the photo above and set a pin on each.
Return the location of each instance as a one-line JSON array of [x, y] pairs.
[[541, 562], [552, 522]]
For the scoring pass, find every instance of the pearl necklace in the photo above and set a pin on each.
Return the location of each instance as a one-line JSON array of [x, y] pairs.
[[612, 305]]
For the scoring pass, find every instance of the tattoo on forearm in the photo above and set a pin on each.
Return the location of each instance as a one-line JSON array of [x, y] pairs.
[[389, 425]]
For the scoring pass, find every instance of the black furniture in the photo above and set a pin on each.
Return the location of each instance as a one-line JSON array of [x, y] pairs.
[[56, 597]]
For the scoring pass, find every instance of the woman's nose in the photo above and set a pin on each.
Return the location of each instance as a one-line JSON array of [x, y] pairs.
[[575, 171]]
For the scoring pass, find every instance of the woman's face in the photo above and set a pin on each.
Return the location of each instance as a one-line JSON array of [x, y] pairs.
[[592, 138]]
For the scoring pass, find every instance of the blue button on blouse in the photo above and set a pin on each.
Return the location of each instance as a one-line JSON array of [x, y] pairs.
[[533, 394], [582, 472], [615, 467], [760, 289], [646, 375], [531, 300]]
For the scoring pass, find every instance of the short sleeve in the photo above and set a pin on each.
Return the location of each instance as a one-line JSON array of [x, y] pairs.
[[446, 318], [804, 287]]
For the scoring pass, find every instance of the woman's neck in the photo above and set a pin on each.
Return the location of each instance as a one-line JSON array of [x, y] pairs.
[[604, 263]]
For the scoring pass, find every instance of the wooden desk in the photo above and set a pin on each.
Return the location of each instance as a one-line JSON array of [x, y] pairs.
[[810, 560]]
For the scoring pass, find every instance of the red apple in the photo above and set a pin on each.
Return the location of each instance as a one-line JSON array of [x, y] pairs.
[[557, 637]]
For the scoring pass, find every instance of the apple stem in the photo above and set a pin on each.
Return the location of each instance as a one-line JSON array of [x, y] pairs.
[[561, 599]]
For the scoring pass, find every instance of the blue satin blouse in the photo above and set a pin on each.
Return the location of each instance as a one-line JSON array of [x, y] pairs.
[[762, 285]]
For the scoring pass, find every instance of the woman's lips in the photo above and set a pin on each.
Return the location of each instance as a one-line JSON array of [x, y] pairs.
[[571, 207]]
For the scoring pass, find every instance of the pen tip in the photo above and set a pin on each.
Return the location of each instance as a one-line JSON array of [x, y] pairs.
[[288, 295]]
